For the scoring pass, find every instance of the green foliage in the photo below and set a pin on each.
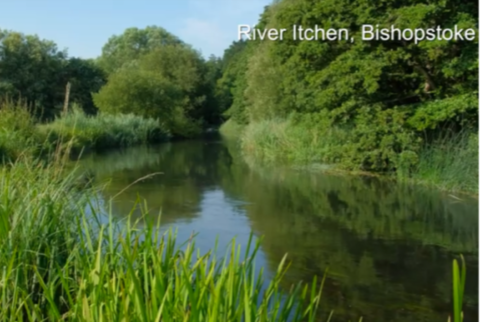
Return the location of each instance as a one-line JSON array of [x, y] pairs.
[[17, 130], [60, 263], [290, 142], [168, 83], [230, 129], [450, 162], [132, 44], [103, 131], [34, 70], [214, 105], [29, 68], [153, 73], [384, 100], [85, 77], [138, 91], [231, 86], [150, 73]]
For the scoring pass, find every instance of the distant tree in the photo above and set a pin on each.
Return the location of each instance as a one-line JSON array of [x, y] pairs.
[[214, 108], [167, 83], [35, 70], [389, 96], [132, 44], [32, 68], [231, 86], [86, 77], [138, 91]]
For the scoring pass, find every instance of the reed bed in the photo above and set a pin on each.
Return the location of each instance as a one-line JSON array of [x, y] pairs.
[[104, 130]]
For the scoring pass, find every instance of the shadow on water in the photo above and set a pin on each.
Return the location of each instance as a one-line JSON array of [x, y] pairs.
[[388, 247]]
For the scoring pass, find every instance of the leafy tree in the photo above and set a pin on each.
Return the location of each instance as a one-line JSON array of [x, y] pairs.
[[35, 70], [132, 44], [230, 87], [139, 91], [166, 83], [31, 68], [214, 106], [387, 94], [86, 78]]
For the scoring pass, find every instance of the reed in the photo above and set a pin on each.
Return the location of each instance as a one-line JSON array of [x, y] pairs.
[[103, 130], [64, 257], [60, 263], [459, 275]]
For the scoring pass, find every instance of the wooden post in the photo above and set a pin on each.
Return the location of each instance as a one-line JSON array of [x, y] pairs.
[[67, 97]]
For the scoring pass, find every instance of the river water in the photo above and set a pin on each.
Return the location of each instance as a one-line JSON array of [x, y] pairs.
[[388, 247]]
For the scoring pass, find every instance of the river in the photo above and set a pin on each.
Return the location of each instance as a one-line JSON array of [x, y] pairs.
[[388, 247]]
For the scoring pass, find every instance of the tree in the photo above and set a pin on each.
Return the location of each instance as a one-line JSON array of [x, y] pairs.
[[32, 68], [213, 108], [86, 77], [167, 83], [35, 70], [386, 95], [132, 44], [138, 91]]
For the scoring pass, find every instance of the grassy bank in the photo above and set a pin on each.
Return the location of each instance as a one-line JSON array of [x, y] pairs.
[[21, 134], [450, 163], [60, 264], [65, 258]]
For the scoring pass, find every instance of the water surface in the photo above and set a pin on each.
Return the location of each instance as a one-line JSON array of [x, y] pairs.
[[388, 247]]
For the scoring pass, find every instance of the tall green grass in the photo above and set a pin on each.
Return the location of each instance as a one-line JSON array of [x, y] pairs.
[[17, 130], [450, 163], [281, 142], [21, 134], [103, 130], [60, 263]]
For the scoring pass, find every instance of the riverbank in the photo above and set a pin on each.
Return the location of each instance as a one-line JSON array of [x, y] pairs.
[[60, 263], [76, 132], [449, 164], [65, 257]]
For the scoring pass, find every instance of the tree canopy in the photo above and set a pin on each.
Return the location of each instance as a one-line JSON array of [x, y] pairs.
[[154, 74], [133, 43], [34, 70], [382, 99], [388, 95]]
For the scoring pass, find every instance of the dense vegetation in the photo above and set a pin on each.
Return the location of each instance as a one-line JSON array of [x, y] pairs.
[[379, 106], [149, 73], [60, 263], [392, 107], [375, 106]]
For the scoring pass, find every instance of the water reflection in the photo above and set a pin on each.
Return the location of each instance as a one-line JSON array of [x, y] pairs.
[[388, 247]]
